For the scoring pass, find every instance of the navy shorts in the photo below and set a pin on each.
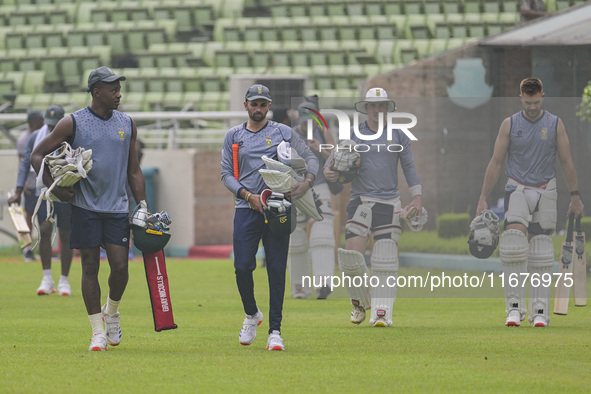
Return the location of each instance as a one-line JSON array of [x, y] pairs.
[[62, 213], [91, 229], [30, 200]]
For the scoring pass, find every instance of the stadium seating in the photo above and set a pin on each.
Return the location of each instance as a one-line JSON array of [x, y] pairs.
[[175, 50]]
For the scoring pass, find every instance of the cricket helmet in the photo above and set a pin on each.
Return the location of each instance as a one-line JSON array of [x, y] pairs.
[[278, 213], [484, 235], [154, 236]]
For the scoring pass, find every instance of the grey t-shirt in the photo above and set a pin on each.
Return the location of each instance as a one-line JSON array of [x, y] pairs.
[[252, 147], [104, 188], [531, 155]]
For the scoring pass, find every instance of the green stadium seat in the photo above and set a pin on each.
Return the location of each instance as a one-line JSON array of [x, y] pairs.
[[347, 32], [14, 41], [491, 6], [452, 6], [135, 85], [431, 6], [373, 8], [328, 32], [116, 40], [366, 32], [393, 8], [334, 9], [471, 6], [42, 100], [27, 63], [317, 9], [437, 45], [50, 65], [6, 88], [354, 8], [296, 9], [412, 7], [260, 59], [279, 10]]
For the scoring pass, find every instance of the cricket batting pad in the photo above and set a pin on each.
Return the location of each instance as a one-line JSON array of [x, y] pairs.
[[155, 265]]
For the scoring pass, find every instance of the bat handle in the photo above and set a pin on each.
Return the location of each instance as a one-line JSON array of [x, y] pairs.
[[578, 225], [569, 234]]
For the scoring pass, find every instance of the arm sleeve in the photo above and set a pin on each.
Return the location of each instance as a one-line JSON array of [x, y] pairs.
[[306, 153], [407, 162], [25, 165], [228, 179]]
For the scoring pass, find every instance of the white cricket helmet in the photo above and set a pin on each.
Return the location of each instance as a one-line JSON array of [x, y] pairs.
[[375, 95], [484, 234]]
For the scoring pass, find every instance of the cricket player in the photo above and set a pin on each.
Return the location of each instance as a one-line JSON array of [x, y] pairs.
[[375, 208], [99, 202], [255, 138], [62, 212], [530, 140], [319, 245]]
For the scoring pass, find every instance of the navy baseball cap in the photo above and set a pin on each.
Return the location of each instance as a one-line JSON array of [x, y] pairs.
[[103, 74], [258, 92], [34, 114], [53, 114]]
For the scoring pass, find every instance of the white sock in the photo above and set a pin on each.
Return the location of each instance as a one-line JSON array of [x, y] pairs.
[[96, 321], [63, 278], [47, 273], [112, 306]]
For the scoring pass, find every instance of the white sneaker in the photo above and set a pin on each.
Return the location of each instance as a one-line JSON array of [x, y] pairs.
[[249, 328], [112, 327], [275, 342], [98, 343], [47, 287], [513, 319], [357, 314], [63, 287], [380, 320], [539, 321]]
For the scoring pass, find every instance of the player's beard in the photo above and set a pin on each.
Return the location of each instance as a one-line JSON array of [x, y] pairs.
[[257, 116], [533, 113]]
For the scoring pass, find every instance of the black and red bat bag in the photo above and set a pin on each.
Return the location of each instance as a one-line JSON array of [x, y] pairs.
[[155, 265]]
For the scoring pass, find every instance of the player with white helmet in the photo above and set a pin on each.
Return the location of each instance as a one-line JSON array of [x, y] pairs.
[[530, 139], [375, 208]]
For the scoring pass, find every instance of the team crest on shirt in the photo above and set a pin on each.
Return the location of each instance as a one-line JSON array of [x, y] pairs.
[[544, 133], [122, 134], [268, 141]]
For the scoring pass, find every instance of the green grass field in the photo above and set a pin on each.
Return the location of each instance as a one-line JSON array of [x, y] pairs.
[[436, 344]]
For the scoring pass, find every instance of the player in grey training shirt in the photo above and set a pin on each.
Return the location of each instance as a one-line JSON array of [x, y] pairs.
[[530, 140], [256, 138], [375, 208], [99, 202]]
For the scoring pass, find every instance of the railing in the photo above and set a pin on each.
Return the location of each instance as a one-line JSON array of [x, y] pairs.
[[159, 130]]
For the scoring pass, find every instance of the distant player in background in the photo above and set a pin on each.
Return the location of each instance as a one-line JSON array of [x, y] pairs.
[[62, 212], [530, 140], [375, 208], [255, 138], [34, 122], [100, 207], [319, 245]]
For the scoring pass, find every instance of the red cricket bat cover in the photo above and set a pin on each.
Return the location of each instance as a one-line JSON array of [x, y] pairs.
[[155, 265]]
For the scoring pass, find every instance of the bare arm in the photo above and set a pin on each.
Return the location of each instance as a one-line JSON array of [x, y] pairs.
[[493, 170], [135, 177], [568, 169], [62, 131]]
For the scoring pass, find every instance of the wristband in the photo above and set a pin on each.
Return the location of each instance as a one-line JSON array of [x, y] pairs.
[[575, 193], [415, 190], [247, 196], [310, 183]]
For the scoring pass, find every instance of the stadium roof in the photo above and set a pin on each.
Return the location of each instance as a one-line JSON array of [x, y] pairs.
[[570, 27]]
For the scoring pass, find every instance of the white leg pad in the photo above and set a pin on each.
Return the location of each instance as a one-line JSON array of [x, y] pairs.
[[513, 249], [322, 245], [299, 263], [384, 265], [539, 264], [546, 213], [352, 264]]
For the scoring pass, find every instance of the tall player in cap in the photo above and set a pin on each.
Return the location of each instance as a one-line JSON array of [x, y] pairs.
[[375, 208], [99, 202], [62, 213], [530, 140], [255, 138]]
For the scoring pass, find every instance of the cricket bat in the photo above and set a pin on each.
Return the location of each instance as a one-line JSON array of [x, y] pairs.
[[565, 268], [155, 266], [580, 267], [20, 224]]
